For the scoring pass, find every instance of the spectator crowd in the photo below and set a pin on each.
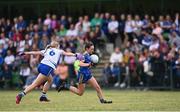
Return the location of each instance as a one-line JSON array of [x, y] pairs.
[[146, 55]]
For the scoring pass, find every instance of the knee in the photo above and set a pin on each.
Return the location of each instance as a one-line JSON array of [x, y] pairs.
[[50, 81], [80, 93], [98, 88]]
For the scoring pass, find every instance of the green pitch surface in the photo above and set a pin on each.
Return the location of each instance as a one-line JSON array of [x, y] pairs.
[[122, 100]]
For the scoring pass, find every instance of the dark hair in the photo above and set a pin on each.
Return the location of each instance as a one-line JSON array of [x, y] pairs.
[[88, 45]]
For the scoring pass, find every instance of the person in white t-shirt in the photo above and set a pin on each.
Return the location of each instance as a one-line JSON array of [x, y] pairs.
[[129, 28], [79, 23], [9, 59], [157, 30], [52, 57], [86, 24], [137, 25], [113, 29], [117, 56], [72, 32]]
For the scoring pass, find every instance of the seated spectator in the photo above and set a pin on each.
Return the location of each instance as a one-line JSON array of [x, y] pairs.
[[174, 39], [155, 44], [9, 59], [62, 32], [157, 30], [147, 39], [116, 74], [72, 32], [43, 42], [116, 57]]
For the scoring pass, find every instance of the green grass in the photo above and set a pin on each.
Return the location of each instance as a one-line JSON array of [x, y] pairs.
[[122, 100]]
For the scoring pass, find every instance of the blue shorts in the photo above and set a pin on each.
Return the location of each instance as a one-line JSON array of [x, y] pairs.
[[83, 77], [45, 69]]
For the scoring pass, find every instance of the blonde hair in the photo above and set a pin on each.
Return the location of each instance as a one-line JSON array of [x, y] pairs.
[[53, 44]]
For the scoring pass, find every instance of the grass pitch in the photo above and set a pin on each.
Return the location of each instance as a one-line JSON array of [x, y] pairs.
[[122, 100]]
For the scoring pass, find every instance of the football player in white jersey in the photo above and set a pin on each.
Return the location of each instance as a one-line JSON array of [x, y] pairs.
[[52, 57]]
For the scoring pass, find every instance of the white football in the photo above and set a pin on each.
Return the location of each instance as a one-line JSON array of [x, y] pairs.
[[94, 58]]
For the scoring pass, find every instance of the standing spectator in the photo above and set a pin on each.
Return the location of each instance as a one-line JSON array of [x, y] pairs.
[[39, 23], [63, 21], [122, 23], [177, 21], [137, 25], [146, 22], [47, 21], [79, 23], [15, 23], [96, 21], [129, 25], [24, 73], [21, 23], [113, 29], [86, 24], [69, 60], [158, 68], [105, 23], [54, 22], [161, 20], [8, 27], [69, 22], [167, 24]]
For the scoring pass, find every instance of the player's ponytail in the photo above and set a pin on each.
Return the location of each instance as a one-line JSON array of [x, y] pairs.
[[53, 44], [47, 47]]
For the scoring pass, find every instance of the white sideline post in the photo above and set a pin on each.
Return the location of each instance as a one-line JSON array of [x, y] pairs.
[[109, 48]]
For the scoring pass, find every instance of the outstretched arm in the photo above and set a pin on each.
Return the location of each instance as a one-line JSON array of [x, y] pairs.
[[68, 54], [33, 53]]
